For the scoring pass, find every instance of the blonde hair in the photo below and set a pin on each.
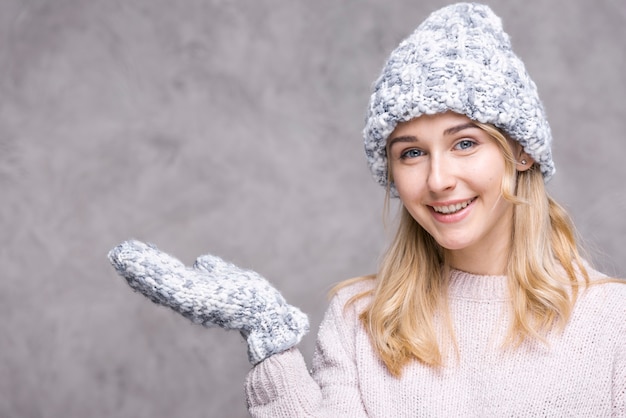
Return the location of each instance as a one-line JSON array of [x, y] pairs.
[[545, 272]]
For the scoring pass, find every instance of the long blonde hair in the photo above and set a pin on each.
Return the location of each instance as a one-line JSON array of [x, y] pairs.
[[545, 273]]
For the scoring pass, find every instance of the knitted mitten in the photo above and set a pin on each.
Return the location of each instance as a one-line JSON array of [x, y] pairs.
[[214, 293]]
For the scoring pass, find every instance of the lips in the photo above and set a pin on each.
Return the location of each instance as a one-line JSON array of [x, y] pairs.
[[452, 208]]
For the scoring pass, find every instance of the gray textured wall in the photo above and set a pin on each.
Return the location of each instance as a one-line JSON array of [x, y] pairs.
[[231, 126]]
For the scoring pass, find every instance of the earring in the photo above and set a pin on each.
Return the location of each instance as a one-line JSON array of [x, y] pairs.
[[523, 162]]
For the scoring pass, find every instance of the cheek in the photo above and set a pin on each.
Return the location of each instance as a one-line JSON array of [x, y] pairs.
[[491, 185], [407, 186], [404, 193], [489, 174]]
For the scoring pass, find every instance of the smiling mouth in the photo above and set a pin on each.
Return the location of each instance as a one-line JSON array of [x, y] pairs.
[[450, 209]]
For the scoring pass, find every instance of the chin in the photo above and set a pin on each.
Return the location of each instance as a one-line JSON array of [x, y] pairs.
[[453, 244]]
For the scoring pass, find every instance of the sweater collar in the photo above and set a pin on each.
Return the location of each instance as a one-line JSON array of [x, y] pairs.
[[465, 285]]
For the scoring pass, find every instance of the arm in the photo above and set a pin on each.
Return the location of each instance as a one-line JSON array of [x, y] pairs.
[[216, 293], [281, 386]]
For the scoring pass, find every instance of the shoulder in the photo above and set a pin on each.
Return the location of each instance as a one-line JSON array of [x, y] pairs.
[[605, 298], [341, 325], [352, 295], [358, 287], [601, 284]]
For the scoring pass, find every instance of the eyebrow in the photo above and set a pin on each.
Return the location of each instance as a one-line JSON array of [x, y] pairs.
[[406, 138], [454, 129], [450, 131]]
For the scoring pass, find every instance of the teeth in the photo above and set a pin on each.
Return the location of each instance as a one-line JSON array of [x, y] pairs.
[[452, 208]]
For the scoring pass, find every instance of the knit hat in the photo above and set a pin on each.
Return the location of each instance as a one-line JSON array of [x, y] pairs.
[[459, 59]]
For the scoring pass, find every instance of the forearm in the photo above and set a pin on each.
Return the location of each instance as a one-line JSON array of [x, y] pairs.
[[281, 386]]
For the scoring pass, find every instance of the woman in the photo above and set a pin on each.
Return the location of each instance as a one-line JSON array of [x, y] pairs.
[[482, 305]]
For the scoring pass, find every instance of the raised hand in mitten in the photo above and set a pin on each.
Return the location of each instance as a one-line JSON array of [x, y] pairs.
[[214, 293]]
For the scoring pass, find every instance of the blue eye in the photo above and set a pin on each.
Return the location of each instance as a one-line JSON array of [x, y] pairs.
[[464, 144], [411, 153]]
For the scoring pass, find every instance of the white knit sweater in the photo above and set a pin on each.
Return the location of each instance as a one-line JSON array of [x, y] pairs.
[[581, 374]]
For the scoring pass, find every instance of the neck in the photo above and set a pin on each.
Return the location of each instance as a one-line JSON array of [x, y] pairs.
[[490, 261]]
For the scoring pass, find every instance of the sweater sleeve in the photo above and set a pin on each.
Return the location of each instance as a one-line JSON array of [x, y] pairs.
[[281, 385]]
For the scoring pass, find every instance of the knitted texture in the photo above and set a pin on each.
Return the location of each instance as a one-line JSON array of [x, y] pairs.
[[214, 293], [459, 59], [579, 373]]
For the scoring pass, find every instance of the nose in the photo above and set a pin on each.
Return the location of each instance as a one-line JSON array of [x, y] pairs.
[[441, 175]]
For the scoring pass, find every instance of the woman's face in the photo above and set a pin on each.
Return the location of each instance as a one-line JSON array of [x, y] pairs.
[[448, 174]]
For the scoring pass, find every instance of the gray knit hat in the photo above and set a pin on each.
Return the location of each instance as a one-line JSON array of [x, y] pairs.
[[458, 59]]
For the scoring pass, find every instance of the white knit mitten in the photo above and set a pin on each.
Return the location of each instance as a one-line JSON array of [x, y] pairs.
[[214, 293]]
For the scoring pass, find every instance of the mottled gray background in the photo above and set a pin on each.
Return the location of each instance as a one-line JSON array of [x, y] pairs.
[[233, 127]]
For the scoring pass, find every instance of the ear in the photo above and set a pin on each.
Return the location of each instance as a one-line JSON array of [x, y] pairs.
[[524, 162]]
